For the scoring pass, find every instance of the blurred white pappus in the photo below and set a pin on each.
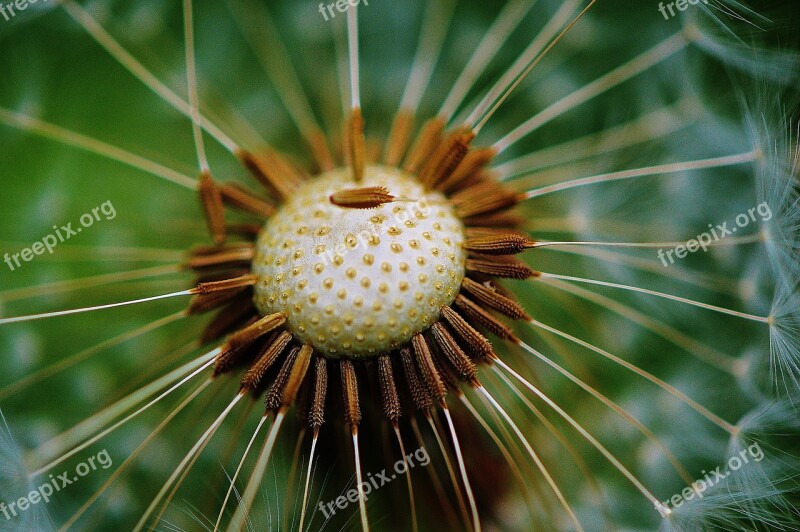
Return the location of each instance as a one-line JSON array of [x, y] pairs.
[[14, 484]]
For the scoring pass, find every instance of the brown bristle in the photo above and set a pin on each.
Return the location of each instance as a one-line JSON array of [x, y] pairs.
[[269, 354], [316, 414], [225, 257], [318, 143], [271, 171], [206, 302], [500, 244], [431, 378], [253, 332], [500, 266], [476, 343], [237, 196], [455, 355], [275, 392], [391, 400], [482, 232], [211, 199], [428, 139], [229, 356], [447, 373], [446, 158], [419, 395], [352, 410], [362, 198], [483, 199], [494, 300], [497, 219], [226, 285], [478, 315], [297, 375], [473, 162], [374, 148], [358, 147], [399, 137], [230, 317]]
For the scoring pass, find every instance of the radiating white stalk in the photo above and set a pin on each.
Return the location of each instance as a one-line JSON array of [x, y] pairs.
[[510, 17], [718, 162], [33, 317], [124, 58], [193, 369], [88, 144], [663, 295], [636, 66]]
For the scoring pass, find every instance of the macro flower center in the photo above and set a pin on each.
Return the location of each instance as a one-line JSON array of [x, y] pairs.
[[360, 282]]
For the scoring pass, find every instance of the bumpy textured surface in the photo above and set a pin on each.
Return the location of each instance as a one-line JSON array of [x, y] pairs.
[[359, 282]]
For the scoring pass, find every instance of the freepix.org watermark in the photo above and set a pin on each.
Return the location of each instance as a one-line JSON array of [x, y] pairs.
[[715, 234], [60, 235], [56, 483], [340, 5], [375, 482], [681, 5], [711, 479], [9, 10]]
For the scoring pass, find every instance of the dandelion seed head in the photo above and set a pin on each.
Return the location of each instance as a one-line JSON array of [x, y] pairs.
[[360, 282]]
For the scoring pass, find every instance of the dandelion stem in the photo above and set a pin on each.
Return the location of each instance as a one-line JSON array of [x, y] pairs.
[[124, 58], [509, 18], [129, 460], [484, 393], [97, 147], [527, 57], [646, 432], [412, 502], [240, 518], [697, 349], [193, 368], [694, 405], [260, 31], [87, 282], [671, 297], [476, 520], [437, 18], [187, 462], [686, 166], [655, 124], [450, 471], [191, 75], [636, 66], [32, 317], [304, 507], [70, 361], [582, 431]]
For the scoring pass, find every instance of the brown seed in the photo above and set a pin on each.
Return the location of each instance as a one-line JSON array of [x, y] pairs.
[[269, 354], [430, 376], [362, 198], [500, 244], [316, 414], [237, 196], [419, 395], [391, 401], [352, 410], [485, 319], [211, 200], [358, 147], [399, 137], [429, 138], [495, 300], [455, 355], [476, 343], [500, 266]]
